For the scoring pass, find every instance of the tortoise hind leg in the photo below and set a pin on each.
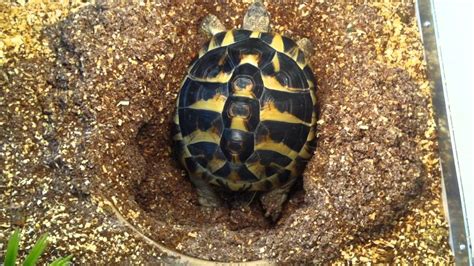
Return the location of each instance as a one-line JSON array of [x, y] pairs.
[[257, 18], [206, 195], [273, 200]]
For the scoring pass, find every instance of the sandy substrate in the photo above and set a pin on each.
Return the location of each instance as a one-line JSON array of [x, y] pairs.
[[87, 98]]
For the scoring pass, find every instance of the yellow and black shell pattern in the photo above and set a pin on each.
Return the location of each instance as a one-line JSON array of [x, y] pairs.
[[246, 112]]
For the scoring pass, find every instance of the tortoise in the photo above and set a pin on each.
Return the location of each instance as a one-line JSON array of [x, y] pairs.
[[246, 112]]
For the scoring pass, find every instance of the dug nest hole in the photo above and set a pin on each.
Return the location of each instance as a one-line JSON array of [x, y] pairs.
[[128, 63]]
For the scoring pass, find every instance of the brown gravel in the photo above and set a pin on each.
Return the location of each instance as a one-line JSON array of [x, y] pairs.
[[86, 101]]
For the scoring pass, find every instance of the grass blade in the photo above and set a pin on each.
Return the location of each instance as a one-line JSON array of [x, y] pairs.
[[36, 251], [12, 248], [62, 261]]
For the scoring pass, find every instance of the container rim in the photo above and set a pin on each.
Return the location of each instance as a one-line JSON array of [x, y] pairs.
[[453, 200]]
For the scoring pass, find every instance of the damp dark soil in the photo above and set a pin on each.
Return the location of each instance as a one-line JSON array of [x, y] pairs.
[[86, 112]]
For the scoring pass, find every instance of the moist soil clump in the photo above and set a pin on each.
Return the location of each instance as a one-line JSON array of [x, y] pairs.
[[89, 159]]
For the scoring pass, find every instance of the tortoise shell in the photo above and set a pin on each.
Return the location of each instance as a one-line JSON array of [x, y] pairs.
[[246, 112]]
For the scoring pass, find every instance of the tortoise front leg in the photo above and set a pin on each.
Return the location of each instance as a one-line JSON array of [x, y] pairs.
[[211, 25], [306, 46]]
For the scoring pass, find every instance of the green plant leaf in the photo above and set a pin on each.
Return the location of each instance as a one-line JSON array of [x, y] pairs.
[[62, 261], [12, 248], [36, 251]]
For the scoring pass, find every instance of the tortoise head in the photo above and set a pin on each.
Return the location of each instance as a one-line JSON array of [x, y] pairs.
[[257, 18]]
